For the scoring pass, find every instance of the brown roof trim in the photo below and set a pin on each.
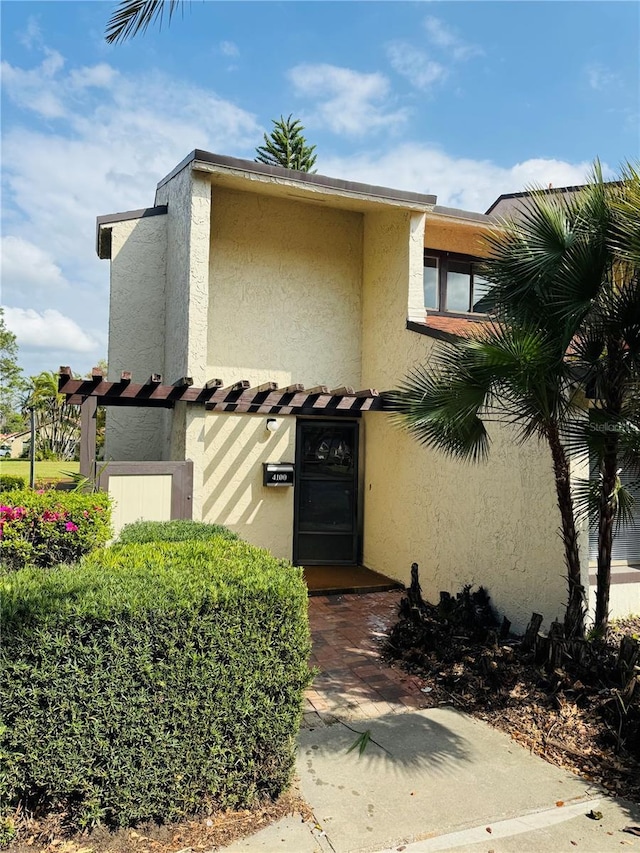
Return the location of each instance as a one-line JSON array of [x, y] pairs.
[[456, 213], [252, 167], [437, 334], [525, 193], [546, 190], [103, 235]]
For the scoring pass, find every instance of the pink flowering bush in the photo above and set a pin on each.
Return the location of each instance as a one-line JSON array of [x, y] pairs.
[[46, 528]]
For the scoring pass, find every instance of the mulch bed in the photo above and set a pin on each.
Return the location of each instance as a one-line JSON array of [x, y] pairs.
[[209, 832], [578, 717]]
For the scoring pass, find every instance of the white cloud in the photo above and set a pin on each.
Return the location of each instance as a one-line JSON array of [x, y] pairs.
[[37, 87], [448, 40], [119, 134], [229, 48], [48, 329], [27, 266], [97, 76], [32, 35], [421, 71], [599, 77], [347, 101], [458, 182]]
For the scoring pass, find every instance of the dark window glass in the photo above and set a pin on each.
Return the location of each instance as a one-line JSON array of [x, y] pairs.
[[325, 506], [482, 302], [315, 548], [431, 283], [458, 286], [328, 452]]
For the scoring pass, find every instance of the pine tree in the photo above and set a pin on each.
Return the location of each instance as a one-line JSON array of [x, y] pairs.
[[286, 146]]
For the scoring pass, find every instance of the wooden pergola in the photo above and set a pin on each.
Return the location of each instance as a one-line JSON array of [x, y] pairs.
[[266, 398], [240, 397]]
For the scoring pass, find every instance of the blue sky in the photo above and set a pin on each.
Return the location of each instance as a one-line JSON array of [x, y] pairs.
[[466, 100]]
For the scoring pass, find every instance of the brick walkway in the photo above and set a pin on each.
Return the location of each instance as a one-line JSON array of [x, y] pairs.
[[353, 682]]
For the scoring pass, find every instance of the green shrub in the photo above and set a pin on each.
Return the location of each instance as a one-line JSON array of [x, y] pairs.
[[45, 528], [172, 531], [11, 482], [152, 680]]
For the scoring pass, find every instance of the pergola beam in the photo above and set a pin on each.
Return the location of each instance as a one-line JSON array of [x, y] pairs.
[[265, 398]]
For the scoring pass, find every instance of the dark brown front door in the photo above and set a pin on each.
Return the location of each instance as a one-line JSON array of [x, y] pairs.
[[326, 493]]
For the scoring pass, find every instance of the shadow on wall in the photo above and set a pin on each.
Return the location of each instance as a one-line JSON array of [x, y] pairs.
[[235, 448]]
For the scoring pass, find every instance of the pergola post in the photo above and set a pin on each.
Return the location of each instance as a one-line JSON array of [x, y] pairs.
[[88, 432]]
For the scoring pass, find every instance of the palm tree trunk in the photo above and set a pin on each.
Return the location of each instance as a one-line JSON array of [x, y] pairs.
[[574, 615], [614, 385], [606, 517]]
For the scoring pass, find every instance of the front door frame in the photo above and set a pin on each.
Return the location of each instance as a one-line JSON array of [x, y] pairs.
[[357, 494]]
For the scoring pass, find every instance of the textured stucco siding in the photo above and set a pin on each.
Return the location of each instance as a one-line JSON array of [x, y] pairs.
[[449, 235], [235, 446], [285, 291], [137, 332], [188, 196], [494, 524]]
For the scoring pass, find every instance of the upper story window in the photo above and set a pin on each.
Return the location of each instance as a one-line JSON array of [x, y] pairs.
[[454, 283]]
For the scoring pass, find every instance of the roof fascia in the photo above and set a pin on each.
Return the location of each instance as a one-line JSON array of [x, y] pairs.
[[312, 184]]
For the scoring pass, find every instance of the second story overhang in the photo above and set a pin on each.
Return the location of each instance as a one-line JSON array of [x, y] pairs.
[[248, 175]]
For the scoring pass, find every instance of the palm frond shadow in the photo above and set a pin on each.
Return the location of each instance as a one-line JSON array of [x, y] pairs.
[[400, 741]]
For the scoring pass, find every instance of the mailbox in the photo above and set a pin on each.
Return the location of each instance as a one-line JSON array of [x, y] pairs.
[[277, 473]]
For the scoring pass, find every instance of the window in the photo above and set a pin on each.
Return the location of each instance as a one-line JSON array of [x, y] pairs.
[[454, 283]]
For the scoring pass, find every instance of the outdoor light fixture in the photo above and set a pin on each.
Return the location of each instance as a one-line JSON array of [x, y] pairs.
[[272, 424]]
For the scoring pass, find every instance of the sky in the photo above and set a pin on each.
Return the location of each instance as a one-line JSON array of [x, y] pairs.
[[466, 100]]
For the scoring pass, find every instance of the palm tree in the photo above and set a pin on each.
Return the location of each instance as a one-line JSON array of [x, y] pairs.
[[134, 16], [511, 374], [607, 352], [564, 282], [57, 423], [286, 146]]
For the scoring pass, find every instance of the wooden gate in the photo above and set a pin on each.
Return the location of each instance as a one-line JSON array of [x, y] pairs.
[[147, 491]]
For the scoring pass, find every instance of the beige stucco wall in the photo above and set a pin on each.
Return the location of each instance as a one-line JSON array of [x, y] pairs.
[[494, 524], [137, 332], [454, 235], [188, 196], [235, 447], [285, 291], [285, 305], [263, 288]]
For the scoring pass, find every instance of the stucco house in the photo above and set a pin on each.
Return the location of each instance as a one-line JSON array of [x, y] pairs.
[[290, 300]]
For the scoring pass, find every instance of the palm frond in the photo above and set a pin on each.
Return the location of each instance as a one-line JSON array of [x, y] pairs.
[[134, 16], [509, 374], [626, 205]]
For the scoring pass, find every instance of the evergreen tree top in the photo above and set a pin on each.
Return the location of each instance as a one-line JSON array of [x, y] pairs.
[[286, 146]]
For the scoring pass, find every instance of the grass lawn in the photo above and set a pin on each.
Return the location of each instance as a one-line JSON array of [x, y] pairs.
[[48, 470]]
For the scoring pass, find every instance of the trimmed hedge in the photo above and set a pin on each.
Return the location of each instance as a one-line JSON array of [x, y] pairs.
[[152, 680], [172, 531], [45, 528], [11, 482]]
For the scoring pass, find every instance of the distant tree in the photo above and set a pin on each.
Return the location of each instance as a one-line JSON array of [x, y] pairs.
[[57, 423], [286, 146], [13, 385]]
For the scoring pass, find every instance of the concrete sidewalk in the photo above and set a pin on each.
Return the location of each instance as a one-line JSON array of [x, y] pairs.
[[435, 780]]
